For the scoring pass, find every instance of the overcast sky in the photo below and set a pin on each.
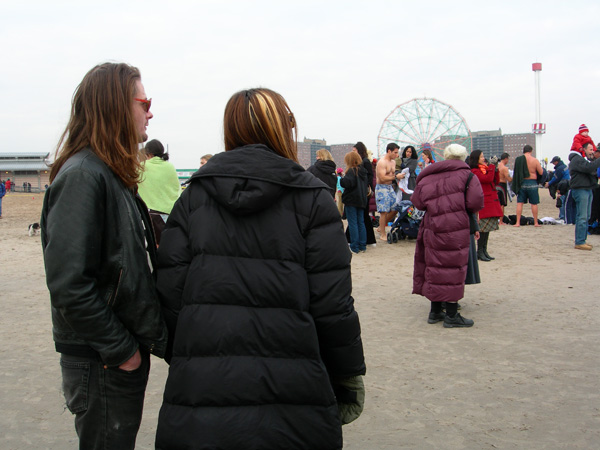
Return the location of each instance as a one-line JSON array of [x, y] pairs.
[[343, 66]]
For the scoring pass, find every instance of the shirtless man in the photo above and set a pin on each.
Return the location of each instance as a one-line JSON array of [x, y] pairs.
[[529, 187], [505, 178], [385, 196]]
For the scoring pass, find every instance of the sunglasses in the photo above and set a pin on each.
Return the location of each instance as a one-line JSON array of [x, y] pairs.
[[146, 103]]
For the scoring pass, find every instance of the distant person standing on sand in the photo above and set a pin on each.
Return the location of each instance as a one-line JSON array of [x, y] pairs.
[[99, 254], [361, 149], [527, 169], [583, 179], [443, 243], [355, 200], [491, 212], [504, 178], [2, 194], [384, 192], [560, 181]]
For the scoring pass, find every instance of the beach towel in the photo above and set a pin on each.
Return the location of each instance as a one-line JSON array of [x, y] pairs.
[[403, 183], [520, 173]]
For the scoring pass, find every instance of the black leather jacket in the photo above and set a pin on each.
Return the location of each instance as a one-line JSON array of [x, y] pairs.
[[102, 291]]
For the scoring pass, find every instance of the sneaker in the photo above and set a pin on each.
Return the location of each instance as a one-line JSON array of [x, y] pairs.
[[583, 247], [435, 317], [457, 321], [372, 245]]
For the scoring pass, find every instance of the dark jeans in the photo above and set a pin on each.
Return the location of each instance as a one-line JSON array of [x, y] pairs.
[[583, 199], [356, 225], [107, 402]]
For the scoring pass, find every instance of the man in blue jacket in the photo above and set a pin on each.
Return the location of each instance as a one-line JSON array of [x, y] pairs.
[[583, 179], [560, 180]]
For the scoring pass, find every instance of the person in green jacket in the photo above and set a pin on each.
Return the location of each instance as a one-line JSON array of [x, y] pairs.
[[159, 185]]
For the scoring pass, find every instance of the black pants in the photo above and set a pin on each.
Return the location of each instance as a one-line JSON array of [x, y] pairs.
[[107, 402]]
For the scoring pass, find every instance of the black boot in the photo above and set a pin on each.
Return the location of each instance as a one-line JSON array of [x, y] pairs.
[[480, 254], [484, 244], [453, 319], [436, 314]]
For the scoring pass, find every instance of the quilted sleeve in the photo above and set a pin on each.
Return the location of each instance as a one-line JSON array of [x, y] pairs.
[[330, 283], [174, 258]]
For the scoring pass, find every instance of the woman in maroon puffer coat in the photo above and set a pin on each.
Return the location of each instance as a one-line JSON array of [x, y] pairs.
[[491, 213], [442, 251]]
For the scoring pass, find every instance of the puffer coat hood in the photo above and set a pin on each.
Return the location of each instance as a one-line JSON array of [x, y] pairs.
[[250, 178], [254, 280], [325, 171]]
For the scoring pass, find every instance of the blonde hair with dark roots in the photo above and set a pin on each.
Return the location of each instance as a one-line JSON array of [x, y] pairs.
[[101, 118], [260, 116]]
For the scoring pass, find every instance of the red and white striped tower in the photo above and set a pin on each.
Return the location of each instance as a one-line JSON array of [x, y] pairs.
[[538, 127]]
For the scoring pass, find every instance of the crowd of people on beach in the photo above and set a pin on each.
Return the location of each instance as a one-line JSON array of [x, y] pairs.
[[242, 281]]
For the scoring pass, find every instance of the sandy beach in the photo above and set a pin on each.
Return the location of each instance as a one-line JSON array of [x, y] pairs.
[[524, 377]]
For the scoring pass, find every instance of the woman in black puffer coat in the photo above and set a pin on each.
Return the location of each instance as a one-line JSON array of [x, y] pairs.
[[254, 278], [324, 169]]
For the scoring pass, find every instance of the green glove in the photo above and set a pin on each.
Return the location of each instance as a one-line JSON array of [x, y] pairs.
[[350, 396]]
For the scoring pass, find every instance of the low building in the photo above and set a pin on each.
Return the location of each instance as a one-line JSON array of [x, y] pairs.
[[494, 143], [308, 148], [307, 151], [514, 143], [491, 142], [28, 172]]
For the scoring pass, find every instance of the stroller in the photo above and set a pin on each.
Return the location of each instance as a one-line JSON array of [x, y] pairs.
[[407, 222]]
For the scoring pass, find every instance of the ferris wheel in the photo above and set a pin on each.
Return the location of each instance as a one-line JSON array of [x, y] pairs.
[[424, 123]]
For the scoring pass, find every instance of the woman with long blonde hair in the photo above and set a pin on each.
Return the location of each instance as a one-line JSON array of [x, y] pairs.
[[254, 278]]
